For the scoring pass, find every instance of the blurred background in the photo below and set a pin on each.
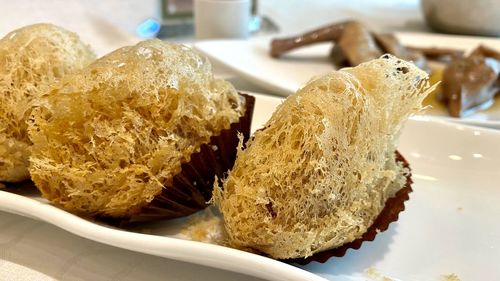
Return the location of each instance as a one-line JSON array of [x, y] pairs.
[[114, 23]]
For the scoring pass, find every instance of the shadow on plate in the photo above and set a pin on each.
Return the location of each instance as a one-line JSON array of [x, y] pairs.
[[25, 188], [357, 261]]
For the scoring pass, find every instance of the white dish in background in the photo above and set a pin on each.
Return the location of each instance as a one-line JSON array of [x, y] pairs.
[[450, 225], [250, 59]]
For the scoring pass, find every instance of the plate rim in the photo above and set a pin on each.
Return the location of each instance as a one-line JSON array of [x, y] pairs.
[[211, 255]]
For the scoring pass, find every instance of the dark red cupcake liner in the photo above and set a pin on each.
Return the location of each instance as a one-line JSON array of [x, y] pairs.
[[390, 213], [191, 189]]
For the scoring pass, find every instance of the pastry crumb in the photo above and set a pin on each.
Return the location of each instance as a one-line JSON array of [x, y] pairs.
[[449, 277], [459, 209], [374, 275], [372, 272], [206, 226]]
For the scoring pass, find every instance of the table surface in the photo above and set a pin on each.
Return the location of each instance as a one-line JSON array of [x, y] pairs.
[[33, 250]]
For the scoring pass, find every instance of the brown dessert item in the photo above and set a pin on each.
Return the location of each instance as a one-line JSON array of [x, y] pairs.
[[324, 34], [357, 44], [391, 45], [139, 134], [470, 83], [353, 44], [439, 54]]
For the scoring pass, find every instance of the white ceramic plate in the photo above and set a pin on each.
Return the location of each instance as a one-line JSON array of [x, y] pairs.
[[250, 59], [450, 224]]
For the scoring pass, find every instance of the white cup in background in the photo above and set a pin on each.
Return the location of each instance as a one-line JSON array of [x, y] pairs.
[[221, 18]]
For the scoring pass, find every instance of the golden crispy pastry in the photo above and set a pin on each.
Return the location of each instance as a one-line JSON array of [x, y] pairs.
[[109, 138], [31, 59], [320, 171]]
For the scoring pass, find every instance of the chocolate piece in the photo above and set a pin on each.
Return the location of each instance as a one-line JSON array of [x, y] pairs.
[[439, 54], [470, 83], [390, 213], [338, 58], [357, 44], [353, 44], [323, 34], [486, 52], [388, 43]]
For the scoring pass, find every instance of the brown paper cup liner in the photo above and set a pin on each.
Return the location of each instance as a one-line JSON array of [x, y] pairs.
[[192, 187], [390, 213]]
